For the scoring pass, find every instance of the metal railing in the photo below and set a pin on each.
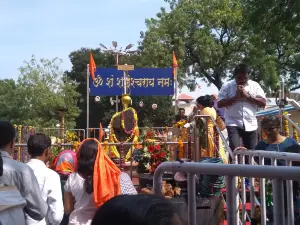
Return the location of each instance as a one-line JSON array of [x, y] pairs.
[[231, 171], [258, 157]]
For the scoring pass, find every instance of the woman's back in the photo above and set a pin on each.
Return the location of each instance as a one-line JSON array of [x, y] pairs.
[[84, 207]]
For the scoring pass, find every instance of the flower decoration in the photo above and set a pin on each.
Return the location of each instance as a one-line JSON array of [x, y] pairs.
[[180, 124], [295, 133], [151, 153], [180, 149], [132, 134], [286, 126]]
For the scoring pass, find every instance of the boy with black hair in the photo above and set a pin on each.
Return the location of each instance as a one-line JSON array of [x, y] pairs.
[[20, 175], [39, 148]]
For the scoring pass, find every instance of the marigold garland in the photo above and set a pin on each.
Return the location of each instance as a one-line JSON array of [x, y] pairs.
[[295, 133], [180, 149], [286, 127], [180, 124], [134, 133]]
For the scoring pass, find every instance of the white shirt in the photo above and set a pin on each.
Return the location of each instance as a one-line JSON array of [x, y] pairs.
[[85, 208], [50, 186], [11, 206], [242, 113]]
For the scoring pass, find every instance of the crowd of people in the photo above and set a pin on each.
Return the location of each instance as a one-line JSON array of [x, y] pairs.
[[86, 187], [82, 188], [237, 104]]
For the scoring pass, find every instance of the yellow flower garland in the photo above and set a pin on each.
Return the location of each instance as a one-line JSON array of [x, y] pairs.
[[179, 124], [180, 149], [286, 127], [134, 135], [295, 133]]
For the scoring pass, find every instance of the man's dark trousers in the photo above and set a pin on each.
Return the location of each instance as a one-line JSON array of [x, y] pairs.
[[235, 134]]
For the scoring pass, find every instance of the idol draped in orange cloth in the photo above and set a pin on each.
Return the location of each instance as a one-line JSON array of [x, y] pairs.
[[106, 177]]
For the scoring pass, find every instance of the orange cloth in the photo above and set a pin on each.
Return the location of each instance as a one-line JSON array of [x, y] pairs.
[[92, 66], [65, 167], [106, 177], [175, 64]]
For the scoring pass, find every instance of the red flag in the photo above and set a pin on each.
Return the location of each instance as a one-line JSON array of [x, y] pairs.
[[92, 66], [175, 65], [101, 133]]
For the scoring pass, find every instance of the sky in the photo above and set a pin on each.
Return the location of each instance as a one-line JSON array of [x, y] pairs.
[[49, 29]]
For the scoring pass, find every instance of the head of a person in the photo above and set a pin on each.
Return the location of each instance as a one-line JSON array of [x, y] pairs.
[[241, 74], [39, 146], [205, 101], [7, 136], [65, 163], [215, 97], [181, 112], [86, 157], [271, 126], [136, 210]]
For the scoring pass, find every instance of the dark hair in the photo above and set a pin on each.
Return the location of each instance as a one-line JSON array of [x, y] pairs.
[[181, 109], [241, 69], [7, 133], [135, 210], [206, 101], [86, 158], [271, 120], [37, 144]]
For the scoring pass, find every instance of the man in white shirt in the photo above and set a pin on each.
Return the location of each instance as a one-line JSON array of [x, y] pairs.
[[49, 181], [241, 99]]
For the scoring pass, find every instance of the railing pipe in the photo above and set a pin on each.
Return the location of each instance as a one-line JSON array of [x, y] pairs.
[[232, 170]]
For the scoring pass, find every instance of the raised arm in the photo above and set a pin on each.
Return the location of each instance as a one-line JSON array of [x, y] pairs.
[[258, 99], [224, 99]]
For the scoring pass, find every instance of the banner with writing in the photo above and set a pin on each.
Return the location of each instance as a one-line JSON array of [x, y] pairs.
[[140, 82]]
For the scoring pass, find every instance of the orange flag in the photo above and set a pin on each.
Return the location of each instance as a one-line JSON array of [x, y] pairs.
[[92, 66], [175, 65], [101, 133]]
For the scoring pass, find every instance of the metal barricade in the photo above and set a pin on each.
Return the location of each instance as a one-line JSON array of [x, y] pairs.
[[231, 171], [258, 157]]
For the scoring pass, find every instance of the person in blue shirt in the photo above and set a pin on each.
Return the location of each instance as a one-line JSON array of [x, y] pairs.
[[275, 141]]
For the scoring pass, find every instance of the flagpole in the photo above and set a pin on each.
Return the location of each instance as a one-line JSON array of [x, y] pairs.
[[176, 87], [87, 101]]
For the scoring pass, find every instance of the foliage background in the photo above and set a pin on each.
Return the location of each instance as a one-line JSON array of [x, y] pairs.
[[209, 37]]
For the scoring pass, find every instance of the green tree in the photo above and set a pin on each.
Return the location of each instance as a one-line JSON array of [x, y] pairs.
[[39, 92], [103, 111], [276, 28], [206, 36], [210, 38]]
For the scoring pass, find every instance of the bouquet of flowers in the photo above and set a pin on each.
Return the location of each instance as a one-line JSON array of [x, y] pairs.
[[151, 154]]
